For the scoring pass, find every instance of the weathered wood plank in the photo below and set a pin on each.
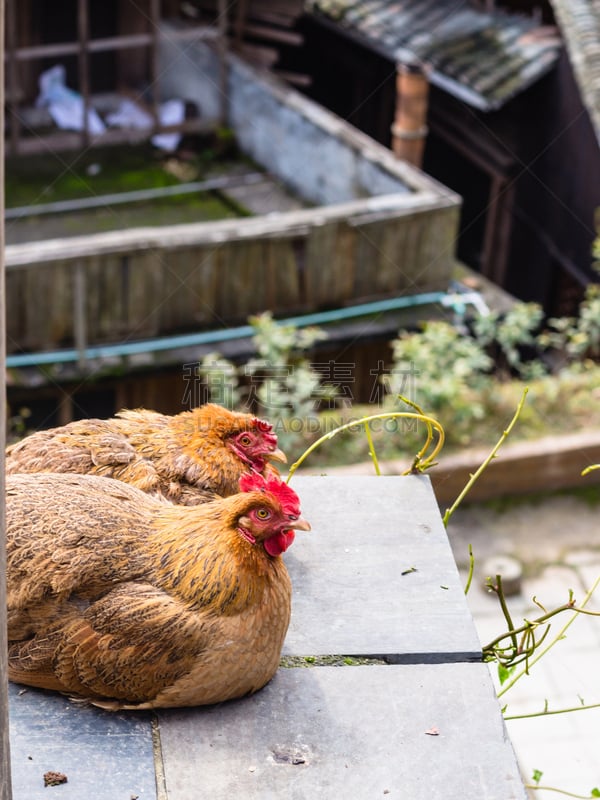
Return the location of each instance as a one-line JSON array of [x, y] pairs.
[[331, 264], [213, 233], [105, 298], [283, 275], [39, 308], [145, 294], [15, 310], [243, 286], [438, 247]]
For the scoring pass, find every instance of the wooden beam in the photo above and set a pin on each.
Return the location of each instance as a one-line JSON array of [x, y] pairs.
[[126, 42], [5, 771], [273, 34]]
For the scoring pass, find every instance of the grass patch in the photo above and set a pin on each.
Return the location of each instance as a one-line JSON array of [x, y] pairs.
[[54, 177], [291, 662]]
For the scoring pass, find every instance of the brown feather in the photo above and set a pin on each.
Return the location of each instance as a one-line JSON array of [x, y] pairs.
[[187, 458]]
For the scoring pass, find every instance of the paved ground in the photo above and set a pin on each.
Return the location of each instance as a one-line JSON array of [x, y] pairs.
[[558, 543]]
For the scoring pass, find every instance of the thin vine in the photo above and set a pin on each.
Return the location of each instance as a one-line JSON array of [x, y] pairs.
[[488, 460], [420, 464], [560, 635]]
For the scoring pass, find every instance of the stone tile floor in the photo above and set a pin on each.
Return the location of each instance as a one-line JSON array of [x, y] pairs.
[[557, 541]]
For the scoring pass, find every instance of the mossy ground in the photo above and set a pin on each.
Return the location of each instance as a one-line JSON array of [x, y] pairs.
[[51, 178]]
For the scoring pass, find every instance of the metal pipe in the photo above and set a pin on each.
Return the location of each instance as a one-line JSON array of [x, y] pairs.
[[245, 331]]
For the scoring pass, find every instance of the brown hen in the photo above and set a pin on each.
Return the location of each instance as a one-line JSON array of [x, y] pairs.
[[127, 601], [189, 458]]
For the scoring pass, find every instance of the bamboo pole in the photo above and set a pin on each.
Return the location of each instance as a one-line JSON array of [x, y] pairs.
[[5, 774]]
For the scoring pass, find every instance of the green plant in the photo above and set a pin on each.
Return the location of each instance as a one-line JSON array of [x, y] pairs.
[[510, 333], [450, 369], [574, 338], [279, 382], [221, 380]]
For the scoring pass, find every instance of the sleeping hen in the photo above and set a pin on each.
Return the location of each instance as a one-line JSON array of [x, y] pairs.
[[189, 458], [128, 601]]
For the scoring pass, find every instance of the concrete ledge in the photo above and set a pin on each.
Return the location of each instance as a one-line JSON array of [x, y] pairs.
[[550, 463], [403, 732], [554, 462]]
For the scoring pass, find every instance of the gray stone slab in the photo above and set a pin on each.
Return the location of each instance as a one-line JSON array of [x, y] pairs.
[[347, 732], [376, 576], [105, 756]]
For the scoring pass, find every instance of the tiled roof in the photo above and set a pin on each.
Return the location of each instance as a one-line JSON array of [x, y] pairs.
[[579, 21], [484, 58]]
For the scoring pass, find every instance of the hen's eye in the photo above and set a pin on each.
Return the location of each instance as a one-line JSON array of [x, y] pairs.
[[245, 440], [262, 513]]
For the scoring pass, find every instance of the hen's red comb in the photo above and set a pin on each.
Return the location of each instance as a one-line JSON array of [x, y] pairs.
[[262, 425], [288, 499]]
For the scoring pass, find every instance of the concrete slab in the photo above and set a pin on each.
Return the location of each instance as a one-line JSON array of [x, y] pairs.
[[360, 732], [376, 575], [104, 756]]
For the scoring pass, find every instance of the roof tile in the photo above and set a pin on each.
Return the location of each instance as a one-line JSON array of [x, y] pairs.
[[484, 58]]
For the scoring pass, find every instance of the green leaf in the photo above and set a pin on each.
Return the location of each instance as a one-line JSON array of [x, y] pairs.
[[504, 673], [537, 775], [595, 792]]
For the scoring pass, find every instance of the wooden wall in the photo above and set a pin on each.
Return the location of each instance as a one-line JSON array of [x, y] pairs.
[[106, 289]]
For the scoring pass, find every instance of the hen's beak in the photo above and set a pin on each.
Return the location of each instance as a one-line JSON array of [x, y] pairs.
[[300, 524], [277, 455]]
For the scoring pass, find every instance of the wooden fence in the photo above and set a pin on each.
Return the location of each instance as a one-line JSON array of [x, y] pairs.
[[143, 283]]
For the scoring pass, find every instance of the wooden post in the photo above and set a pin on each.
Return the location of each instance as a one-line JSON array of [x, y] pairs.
[[222, 25], [13, 82], [5, 774], [83, 68], [154, 16], [409, 129], [240, 23], [79, 311]]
